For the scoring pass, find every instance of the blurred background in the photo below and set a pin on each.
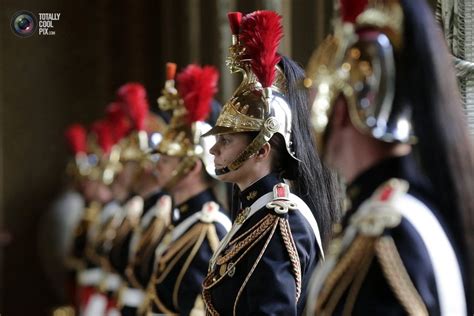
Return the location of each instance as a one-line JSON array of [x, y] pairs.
[[49, 82]]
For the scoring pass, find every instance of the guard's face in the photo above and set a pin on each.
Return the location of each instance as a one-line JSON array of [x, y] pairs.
[[124, 181], [166, 167], [148, 179], [226, 150]]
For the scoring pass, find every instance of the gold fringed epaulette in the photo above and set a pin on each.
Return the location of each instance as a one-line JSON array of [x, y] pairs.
[[187, 244], [379, 212], [149, 236], [351, 255]]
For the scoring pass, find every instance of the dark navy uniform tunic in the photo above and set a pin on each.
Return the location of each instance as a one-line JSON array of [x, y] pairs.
[[260, 278], [373, 292], [120, 256], [177, 280], [142, 270]]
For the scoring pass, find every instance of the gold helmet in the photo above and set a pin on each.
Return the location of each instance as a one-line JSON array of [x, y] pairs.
[[135, 145], [359, 62], [102, 143], [83, 163], [259, 104], [190, 104]]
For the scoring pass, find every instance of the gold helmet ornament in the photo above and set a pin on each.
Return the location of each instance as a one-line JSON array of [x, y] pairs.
[[359, 62], [259, 104], [83, 163], [104, 144], [134, 146], [190, 103]]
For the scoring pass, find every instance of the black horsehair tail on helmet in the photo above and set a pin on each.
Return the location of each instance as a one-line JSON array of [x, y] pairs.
[[444, 147], [313, 182]]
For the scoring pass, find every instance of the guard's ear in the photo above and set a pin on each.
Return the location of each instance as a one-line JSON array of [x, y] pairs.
[[264, 152], [197, 167]]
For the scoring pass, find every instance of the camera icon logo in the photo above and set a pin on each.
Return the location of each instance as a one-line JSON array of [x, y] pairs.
[[24, 23]]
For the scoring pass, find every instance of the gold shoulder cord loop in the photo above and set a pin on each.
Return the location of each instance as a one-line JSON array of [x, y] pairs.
[[343, 274], [252, 237], [292, 253], [213, 238], [352, 266], [146, 246], [247, 278], [187, 263], [398, 278]]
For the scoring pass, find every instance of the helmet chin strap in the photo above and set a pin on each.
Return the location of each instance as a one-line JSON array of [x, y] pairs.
[[261, 139], [181, 171]]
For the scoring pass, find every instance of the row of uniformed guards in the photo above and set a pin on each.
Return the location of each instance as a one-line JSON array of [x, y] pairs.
[[383, 259]]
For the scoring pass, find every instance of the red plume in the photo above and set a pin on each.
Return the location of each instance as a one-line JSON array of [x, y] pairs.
[[119, 121], [260, 34], [133, 97], [103, 131], [76, 138], [197, 87], [350, 9], [235, 19], [170, 71]]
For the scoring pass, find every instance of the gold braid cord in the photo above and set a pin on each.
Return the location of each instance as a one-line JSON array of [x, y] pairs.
[[292, 253], [266, 227], [98, 242], [190, 242], [398, 278], [250, 238], [260, 255], [146, 246], [89, 217], [352, 268], [344, 274], [254, 233]]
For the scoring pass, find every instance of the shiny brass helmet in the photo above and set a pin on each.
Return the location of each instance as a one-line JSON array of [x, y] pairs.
[[103, 146], [259, 104], [359, 62], [134, 146], [190, 104], [83, 161]]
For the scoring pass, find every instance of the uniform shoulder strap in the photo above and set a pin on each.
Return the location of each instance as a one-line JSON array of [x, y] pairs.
[[283, 201], [210, 213]]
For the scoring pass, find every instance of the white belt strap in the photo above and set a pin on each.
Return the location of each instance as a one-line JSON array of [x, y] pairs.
[[132, 297], [222, 219], [177, 232], [308, 215], [90, 277], [112, 281], [445, 265]]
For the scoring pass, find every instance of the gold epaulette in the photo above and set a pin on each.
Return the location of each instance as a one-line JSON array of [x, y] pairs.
[[149, 238], [89, 217], [187, 244], [352, 253], [133, 211]]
